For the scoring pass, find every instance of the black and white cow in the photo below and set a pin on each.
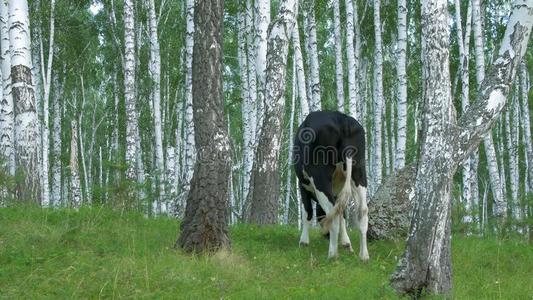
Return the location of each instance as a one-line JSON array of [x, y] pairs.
[[329, 160]]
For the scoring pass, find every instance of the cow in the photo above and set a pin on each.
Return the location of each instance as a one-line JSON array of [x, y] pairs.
[[329, 161]]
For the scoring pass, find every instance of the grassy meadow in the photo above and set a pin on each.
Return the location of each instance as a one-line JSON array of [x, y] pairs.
[[98, 253]]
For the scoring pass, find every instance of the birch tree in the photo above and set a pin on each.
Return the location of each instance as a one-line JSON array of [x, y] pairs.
[[129, 90], [402, 85], [155, 72], [352, 59], [300, 74], [315, 102], [27, 137], [490, 151], [75, 186], [7, 117], [426, 263], [56, 142], [189, 156], [265, 175], [339, 71], [262, 20], [524, 87], [204, 227], [378, 97]]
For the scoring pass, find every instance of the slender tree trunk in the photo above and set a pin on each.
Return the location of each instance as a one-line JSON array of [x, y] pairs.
[[75, 187], [56, 145], [27, 133], [262, 20], [300, 75], [129, 89], [524, 87], [204, 227], [402, 85], [339, 71], [155, 71], [288, 185], [353, 68], [426, 263], [312, 53], [7, 116], [378, 99], [490, 152], [265, 175], [189, 158], [513, 139]]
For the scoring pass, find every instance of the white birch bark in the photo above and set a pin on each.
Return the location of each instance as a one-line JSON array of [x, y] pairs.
[[75, 188], [516, 208], [7, 116], [402, 85], [490, 152], [27, 133], [155, 71], [339, 71], [189, 157], [352, 60], [252, 72], [524, 87], [378, 98], [262, 20], [312, 53], [265, 175], [300, 74], [129, 89], [288, 184], [47, 82]]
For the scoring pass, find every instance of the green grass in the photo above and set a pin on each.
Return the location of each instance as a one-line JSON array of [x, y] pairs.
[[96, 253]]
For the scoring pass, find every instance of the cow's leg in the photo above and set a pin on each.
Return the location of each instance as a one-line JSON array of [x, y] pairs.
[[345, 239], [324, 196], [362, 220], [307, 215]]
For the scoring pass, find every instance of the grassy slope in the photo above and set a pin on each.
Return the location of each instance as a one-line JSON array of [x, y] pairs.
[[98, 253]]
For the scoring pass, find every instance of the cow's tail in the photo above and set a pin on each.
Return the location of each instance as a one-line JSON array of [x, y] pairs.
[[342, 198]]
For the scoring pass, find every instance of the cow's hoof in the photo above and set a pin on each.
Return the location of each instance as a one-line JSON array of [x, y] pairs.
[[304, 244], [348, 247], [364, 257]]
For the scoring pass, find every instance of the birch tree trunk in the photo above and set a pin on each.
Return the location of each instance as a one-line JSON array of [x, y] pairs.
[[490, 151], [75, 186], [513, 139], [204, 227], [339, 71], [262, 20], [7, 117], [402, 85], [312, 53], [378, 99], [265, 175], [524, 87], [155, 71], [300, 75], [129, 89], [27, 135], [288, 185], [189, 150], [426, 262], [352, 60]]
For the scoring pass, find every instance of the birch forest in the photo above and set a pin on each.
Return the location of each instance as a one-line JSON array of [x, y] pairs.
[[142, 106]]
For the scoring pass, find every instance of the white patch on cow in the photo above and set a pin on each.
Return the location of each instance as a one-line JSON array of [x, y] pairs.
[[362, 219], [327, 206], [345, 239], [304, 238]]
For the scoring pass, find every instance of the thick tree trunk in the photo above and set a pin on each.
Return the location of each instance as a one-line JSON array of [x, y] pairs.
[[265, 175], [339, 70], [155, 71], [426, 262], [7, 116], [262, 21], [204, 227], [312, 54], [129, 89], [402, 85], [27, 133]]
